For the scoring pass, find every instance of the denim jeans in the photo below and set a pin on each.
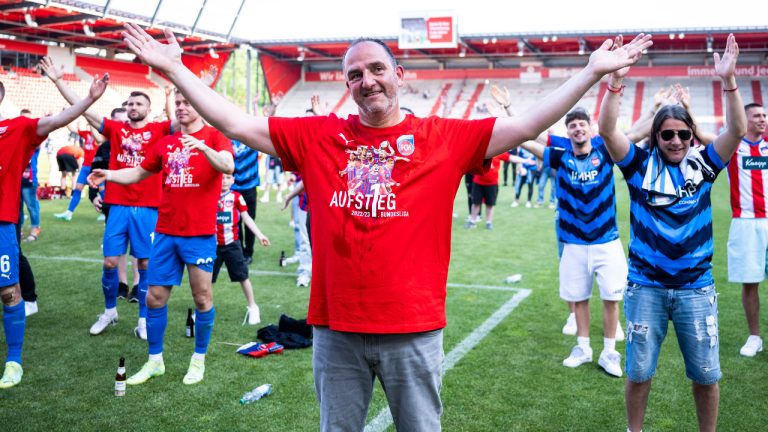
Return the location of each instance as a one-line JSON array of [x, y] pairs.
[[547, 174], [29, 198], [407, 365], [694, 315]]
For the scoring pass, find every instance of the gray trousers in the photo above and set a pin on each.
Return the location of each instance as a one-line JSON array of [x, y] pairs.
[[407, 365]]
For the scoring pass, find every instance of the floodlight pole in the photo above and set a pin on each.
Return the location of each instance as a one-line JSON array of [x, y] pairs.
[[248, 80], [234, 21], [154, 15], [199, 14], [105, 10]]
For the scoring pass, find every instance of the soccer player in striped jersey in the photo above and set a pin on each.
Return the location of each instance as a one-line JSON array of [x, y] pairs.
[[19, 137], [748, 236], [247, 181], [671, 243], [231, 211], [586, 225]]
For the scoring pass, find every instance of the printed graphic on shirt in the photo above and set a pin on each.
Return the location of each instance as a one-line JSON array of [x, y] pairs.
[[370, 183], [131, 152], [179, 171]]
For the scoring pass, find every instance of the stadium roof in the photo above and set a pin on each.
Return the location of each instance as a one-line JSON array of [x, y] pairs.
[[496, 49], [85, 24]]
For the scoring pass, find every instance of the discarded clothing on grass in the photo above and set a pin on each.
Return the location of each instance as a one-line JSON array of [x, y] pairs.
[[290, 333]]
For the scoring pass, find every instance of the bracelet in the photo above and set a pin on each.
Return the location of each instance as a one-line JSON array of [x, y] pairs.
[[109, 175], [725, 90], [619, 90]]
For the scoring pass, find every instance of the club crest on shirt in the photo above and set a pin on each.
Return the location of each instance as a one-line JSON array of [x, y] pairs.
[[3, 129], [595, 161], [370, 185], [406, 145], [147, 135]]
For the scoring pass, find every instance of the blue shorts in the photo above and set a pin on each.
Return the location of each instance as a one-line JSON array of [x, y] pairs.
[[747, 246], [9, 255], [694, 315], [134, 224], [171, 253], [82, 178]]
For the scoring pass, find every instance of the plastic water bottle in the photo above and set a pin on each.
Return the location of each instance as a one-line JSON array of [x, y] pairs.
[[514, 278], [256, 394]]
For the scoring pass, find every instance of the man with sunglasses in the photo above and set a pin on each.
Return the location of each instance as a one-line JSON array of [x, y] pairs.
[[671, 246], [748, 236]]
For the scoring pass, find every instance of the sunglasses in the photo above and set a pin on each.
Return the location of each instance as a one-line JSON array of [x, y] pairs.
[[669, 134]]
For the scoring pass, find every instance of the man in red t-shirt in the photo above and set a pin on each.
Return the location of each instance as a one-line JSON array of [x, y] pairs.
[[19, 137], [191, 161], [133, 211], [377, 298]]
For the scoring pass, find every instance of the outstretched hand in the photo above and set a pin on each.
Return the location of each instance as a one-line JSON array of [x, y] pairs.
[[725, 66], [97, 177], [501, 96], [618, 75], [150, 51], [609, 58], [50, 69], [192, 143], [209, 76], [98, 86]]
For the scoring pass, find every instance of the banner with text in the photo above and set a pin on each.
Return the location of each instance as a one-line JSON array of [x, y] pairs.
[[427, 30]]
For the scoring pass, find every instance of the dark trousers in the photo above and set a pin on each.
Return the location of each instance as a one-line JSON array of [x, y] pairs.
[[248, 238], [26, 277]]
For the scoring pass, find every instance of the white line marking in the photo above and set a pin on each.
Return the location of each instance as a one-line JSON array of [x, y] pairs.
[[384, 419]]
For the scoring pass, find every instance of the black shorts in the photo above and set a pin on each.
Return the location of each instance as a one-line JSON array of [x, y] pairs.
[[67, 162], [484, 193], [232, 256]]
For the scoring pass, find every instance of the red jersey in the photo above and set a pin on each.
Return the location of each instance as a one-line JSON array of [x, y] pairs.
[[18, 140], [491, 177], [231, 204], [383, 248], [191, 186], [128, 148], [75, 151], [89, 147]]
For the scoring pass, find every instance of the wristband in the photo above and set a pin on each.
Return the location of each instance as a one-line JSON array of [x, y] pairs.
[[725, 90], [619, 90], [109, 175]]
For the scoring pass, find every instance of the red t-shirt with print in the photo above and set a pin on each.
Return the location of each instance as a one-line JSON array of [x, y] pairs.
[[381, 214], [191, 186], [18, 140], [128, 148]]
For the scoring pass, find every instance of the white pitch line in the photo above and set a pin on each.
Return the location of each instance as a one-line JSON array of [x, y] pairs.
[[384, 419]]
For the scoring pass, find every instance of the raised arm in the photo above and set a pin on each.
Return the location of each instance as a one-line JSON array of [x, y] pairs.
[[683, 96], [123, 176], [735, 117], [616, 142], [56, 74], [170, 107], [511, 132], [49, 124], [219, 112], [221, 161], [534, 147]]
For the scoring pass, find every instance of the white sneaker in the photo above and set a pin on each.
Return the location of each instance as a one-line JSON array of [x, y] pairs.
[[66, 216], [619, 332], [101, 218], [102, 323], [30, 308], [515, 203], [302, 281], [578, 357], [753, 346], [528, 204], [265, 198], [293, 259], [570, 326], [610, 361], [252, 315]]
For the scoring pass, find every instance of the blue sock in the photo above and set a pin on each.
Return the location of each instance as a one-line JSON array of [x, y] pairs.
[[74, 200], [143, 287], [203, 328], [14, 321], [157, 320], [109, 284]]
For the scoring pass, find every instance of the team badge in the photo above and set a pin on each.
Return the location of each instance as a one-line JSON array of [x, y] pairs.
[[405, 145], [3, 129], [595, 161], [147, 135], [763, 150]]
